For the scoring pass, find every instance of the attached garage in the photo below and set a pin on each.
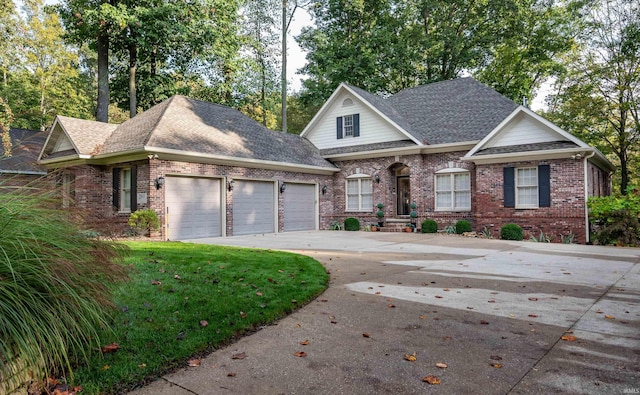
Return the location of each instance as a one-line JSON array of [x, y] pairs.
[[299, 203], [193, 207], [254, 207]]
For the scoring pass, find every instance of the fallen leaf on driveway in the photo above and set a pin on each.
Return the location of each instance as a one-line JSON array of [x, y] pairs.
[[569, 338], [422, 317], [496, 357], [240, 355], [410, 357], [533, 299], [438, 297], [491, 301], [365, 335], [483, 322], [609, 317], [231, 374], [194, 362], [533, 315], [300, 354], [496, 365], [305, 343], [433, 380], [391, 305], [441, 365]]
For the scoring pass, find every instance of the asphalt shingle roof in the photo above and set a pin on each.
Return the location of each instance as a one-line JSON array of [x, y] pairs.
[[550, 145], [25, 148], [88, 136], [185, 124], [450, 111]]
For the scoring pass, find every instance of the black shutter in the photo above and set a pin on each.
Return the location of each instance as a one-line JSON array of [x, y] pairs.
[[544, 186], [509, 187], [356, 125], [134, 188], [116, 188], [339, 127]]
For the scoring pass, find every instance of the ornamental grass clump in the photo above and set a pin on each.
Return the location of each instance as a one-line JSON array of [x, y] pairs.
[[54, 288]]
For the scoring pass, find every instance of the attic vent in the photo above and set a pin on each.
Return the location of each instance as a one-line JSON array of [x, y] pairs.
[[347, 102]]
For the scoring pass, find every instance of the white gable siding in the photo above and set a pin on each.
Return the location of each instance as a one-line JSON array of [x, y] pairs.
[[524, 129], [373, 128], [62, 143]]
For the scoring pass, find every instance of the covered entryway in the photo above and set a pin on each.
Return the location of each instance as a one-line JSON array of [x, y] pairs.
[[253, 207], [299, 203], [193, 207]]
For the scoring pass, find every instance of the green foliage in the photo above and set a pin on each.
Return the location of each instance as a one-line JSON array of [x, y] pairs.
[[567, 239], [54, 288], [486, 233], [429, 226], [450, 229], [413, 213], [351, 224], [174, 287], [144, 221], [542, 238], [511, 232], [335, 225], [463, 226], [614, 219], [380, 212], [6, 118]]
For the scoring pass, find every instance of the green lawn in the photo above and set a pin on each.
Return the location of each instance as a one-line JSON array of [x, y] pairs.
[[187, 299]]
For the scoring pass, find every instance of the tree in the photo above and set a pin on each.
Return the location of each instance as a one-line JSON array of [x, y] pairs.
[[598, 97], [6, 118]]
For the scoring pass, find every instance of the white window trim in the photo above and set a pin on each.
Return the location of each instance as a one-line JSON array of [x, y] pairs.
[[517, 188], [359, 178], [349, 127], [123, 189], [451, 173]]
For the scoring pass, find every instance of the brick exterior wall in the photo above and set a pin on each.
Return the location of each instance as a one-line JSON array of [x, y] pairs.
[[93, 192]]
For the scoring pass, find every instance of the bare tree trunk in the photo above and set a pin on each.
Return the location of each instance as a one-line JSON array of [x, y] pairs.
[[102, 108], [133, 60], [284, 66]]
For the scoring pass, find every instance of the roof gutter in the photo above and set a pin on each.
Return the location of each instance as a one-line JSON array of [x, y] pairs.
[[567, 153]]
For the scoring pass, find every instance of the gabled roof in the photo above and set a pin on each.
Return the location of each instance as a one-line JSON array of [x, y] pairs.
[[25, 148], [453, 111], [194, 128], [75, 137]]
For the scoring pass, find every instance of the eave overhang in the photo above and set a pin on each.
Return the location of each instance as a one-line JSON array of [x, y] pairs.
[[403, 151]]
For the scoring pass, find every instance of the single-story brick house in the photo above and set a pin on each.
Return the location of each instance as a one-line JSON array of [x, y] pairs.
[[458, 149], [19, 167]]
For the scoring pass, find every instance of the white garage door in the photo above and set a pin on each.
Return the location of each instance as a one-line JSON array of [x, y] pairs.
[[253, 207], [193, 207], [299, 207]]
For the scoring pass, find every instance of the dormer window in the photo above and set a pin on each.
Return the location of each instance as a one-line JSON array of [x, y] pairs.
[[348, 126]]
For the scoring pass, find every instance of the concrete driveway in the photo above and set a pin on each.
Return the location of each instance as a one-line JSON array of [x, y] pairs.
[[504, 317]]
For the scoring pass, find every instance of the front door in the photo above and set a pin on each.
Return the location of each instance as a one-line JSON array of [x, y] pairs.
[[404, 196]]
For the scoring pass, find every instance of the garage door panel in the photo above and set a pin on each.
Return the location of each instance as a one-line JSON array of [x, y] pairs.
[[193, 207], [253, 207], [299, 207]]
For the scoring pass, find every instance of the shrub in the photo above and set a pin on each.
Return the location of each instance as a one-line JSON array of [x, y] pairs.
[[614, 219], [351, 224], [511, 232], [463, 226], [144, 221], [429, 226], [621, 228], [54, 287]]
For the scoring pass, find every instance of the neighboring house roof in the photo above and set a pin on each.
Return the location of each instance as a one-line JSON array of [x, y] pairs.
[[197, 128], [25, 148]]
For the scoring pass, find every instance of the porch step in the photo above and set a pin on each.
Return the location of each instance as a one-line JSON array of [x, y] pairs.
[[395, 225]]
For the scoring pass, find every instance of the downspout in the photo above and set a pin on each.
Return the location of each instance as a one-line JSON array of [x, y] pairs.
[[586, 195]]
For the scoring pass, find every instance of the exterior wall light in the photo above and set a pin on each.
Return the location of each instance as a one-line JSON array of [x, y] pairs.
[[377, 178], [283, 186], [159, 182], [324, 189], [230, 185]]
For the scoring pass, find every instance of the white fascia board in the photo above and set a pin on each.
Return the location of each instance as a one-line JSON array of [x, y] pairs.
[[528, 156], [403, 151], [64, 161], [522, 109], [322, 110]]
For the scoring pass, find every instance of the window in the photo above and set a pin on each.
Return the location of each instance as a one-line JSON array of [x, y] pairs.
[[527, 187], [68, 191], [453, 191], [359, 194], [348, 126], [124, 189]]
